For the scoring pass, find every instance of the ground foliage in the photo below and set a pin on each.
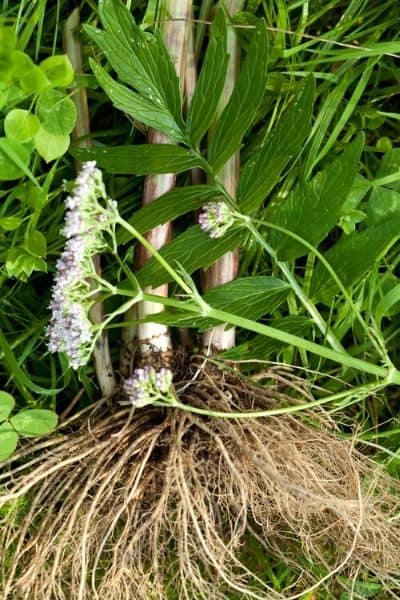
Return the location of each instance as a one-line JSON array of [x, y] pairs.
[[318, 136]]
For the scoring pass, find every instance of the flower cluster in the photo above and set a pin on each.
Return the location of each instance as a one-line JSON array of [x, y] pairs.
[[215, 219], [70, 330], [147, 386]]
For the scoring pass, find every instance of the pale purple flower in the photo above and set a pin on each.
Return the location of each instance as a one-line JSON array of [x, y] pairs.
[[215, 219], [146, 386], [70, 330]]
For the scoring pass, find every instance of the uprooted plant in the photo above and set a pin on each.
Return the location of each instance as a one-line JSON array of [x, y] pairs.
[[154, 491]]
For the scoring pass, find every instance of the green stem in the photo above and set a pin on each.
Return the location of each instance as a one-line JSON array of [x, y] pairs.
[[391, 374]]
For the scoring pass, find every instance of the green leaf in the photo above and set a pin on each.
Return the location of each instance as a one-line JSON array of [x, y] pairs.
[[139, 59], [21, 125], [8, 40], [249, 297], [10, 152], [36, 243], [7, 403], [141, 159], [10, 223], [211, 81], [193, 250], [384, 203], [51, 146], [57, 112], [8, 441], [245, 99], [167, 207], [136, 106], [33, 81], [58, 70], [390, 167], [35, 421], [353, 256], [263, 347], [313, 208], [263, 169], [21, 265]]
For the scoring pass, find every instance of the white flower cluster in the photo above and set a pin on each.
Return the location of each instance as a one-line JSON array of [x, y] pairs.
[[70, 330], [215, 219], [147, 386]]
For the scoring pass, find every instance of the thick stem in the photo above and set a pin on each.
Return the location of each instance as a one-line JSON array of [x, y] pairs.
[[152, 336], [102, 357], [226, 268]]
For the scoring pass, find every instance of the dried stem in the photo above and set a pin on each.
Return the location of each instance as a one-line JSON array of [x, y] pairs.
[[102, 357], [226, 268], [154, 337]]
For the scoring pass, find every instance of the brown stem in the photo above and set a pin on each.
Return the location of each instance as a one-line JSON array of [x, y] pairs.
[[226, 268], [152, 336], [72, 46]]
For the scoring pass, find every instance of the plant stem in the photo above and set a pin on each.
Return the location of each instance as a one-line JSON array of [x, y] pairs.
[[102, 358], [226, 268], [153, 336]]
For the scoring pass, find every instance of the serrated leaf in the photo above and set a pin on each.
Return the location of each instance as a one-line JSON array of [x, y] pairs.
[[21, 265], [353, 256], [56, 112], [263, 169], [35, 421], [251, 297], [245, 99], [263, 347], [136, 106], [193, 250], [21, 125], [7, 404], [8, 441], [51, 146], [167, 207], [141, 159], [139, 58], [390, 165], [211, 81], [313, 208], [58, 70]]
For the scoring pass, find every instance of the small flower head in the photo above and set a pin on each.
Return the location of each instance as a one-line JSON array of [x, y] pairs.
[[86, 220], [148, 386], [215, 219]]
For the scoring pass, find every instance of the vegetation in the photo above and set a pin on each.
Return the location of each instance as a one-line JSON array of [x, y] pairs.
[[199, 235]]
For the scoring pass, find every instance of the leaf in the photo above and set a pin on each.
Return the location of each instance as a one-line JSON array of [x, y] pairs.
[[10, 149], [193, 250], [141, 159], [313, 208], [58, 70], [167, 207], [51, 146], [21, 125], [21, 265], [245, 99], [390, 165], [262, 347], [10, 223], [352, 257], [384, 203], [36, 244], [7, 403], [140, 59], [251, 297], [263, 169], [211, 81], [35, 421], [137, 107], [57, 112], [8, 441], [33, 81]]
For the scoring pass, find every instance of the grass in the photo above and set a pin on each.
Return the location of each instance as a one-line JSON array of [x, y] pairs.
[[352, 49]]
